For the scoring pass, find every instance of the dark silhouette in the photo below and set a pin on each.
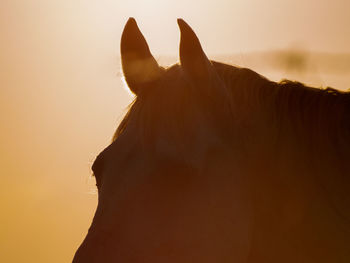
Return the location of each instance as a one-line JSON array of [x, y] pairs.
[[215, 163]]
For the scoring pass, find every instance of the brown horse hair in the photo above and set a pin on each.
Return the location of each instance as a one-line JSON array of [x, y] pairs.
[[324, 111]]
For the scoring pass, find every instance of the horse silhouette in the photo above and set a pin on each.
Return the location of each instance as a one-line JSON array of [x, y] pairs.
[[216, 163]]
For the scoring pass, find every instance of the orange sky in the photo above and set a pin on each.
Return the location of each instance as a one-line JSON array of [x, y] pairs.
[[61, 95]]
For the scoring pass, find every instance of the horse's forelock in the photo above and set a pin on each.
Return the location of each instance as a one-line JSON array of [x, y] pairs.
[[152, 100]]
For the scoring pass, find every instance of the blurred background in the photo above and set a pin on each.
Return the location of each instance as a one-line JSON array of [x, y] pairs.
[[62, 97]]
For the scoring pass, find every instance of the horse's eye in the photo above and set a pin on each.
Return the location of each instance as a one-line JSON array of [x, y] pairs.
[[97, 169]]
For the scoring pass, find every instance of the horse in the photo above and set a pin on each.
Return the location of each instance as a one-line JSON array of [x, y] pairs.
[[216, 163]]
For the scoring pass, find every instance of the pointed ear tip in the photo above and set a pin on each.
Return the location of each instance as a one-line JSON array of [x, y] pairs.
[[181, 22], [130, 29], [131, 21]]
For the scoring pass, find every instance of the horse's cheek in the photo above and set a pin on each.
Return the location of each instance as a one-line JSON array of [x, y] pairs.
[[169, 222]]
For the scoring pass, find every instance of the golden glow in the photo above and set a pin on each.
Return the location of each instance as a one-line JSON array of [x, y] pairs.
[[61, 95]]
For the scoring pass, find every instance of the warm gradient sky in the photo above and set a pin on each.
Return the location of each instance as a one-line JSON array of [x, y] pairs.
[[61, 95]]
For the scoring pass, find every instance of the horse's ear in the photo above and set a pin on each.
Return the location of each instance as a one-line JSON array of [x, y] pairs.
[[139, 66], [192, 57]]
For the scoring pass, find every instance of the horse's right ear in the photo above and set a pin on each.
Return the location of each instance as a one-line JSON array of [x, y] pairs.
[[192, 57], [139, 66]]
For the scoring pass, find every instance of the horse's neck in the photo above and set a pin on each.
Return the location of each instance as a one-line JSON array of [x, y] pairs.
[[308, 144]]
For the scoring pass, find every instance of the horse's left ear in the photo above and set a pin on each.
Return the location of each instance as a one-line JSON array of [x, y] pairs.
[[192, 57], [139, 66]]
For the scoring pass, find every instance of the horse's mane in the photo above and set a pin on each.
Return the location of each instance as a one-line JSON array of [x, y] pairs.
[[304, 125], [313, 114]]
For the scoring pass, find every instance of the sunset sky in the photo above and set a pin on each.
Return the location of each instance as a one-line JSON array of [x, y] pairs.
[[61, 94]]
